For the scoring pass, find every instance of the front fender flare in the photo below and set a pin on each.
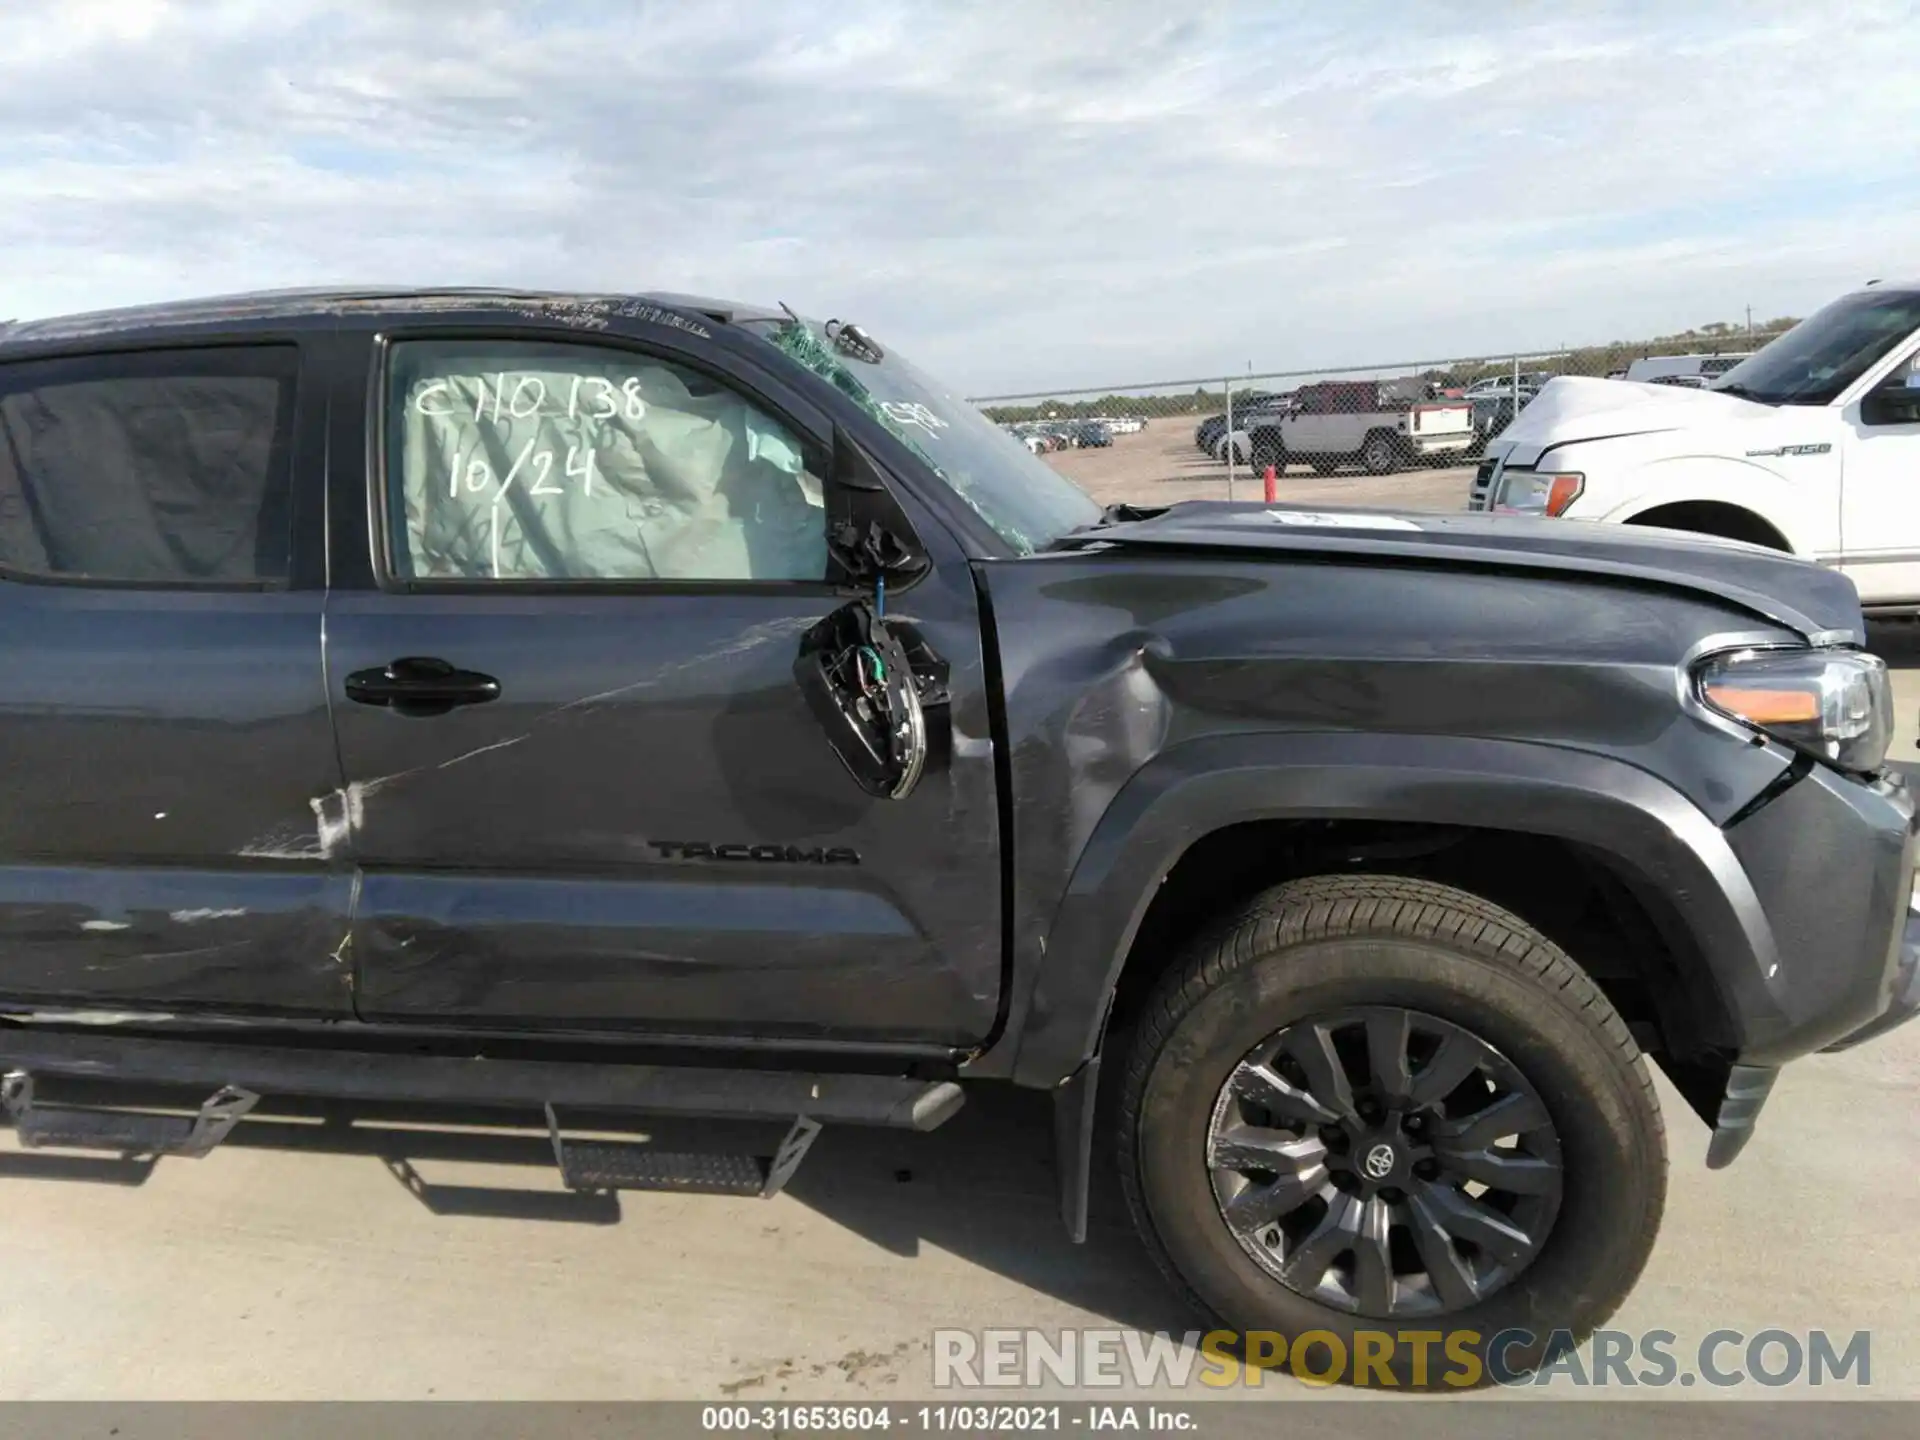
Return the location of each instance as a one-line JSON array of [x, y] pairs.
[[1654, 834]]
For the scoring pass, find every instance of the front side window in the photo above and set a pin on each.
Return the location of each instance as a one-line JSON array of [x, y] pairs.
[[161, 467], [524, 461]]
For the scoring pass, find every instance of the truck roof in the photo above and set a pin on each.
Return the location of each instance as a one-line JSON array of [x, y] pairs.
[[267, 306]]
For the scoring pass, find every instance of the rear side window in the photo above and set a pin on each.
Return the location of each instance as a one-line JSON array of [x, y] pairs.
[[517, 461], [163, 467]]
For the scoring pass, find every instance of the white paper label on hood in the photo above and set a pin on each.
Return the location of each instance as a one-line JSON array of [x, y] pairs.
[[1349, 520]]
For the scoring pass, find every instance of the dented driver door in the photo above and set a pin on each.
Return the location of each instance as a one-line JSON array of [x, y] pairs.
[[585, 788]]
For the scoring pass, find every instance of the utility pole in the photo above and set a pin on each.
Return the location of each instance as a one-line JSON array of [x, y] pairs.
[[1749, 327]]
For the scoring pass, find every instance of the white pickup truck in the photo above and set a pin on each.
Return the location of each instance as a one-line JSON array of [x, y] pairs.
[[1382, 425], [1811, 446]]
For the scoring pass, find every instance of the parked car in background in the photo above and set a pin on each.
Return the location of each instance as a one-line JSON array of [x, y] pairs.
[[1262, 414], [1210, 433], [1811, 445], [1089, 435], [1494, 387], [1493, 413], [1682, 369], [1259, 445], [1380, 425]]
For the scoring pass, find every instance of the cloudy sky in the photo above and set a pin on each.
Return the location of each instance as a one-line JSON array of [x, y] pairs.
[[1040, 194]]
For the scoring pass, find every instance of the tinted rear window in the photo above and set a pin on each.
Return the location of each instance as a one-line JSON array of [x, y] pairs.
[[166, 467]]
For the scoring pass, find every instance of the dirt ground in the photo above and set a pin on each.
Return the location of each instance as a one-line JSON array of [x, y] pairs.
[[1160, 466]]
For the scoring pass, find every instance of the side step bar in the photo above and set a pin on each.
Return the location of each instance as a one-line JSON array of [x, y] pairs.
[[238, 1075], [882, 1100], [598, 1165], [128, 1132]]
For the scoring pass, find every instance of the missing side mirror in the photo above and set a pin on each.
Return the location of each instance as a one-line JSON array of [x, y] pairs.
[[871, 680], [881, 695]]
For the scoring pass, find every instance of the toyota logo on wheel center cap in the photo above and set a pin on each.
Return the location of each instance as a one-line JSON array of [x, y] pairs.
[[1379, 1162]]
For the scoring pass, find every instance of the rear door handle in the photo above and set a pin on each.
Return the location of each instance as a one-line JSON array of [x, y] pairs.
[[421, 685]]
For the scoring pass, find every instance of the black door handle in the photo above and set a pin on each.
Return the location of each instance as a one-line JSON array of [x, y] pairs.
[[420, 685]]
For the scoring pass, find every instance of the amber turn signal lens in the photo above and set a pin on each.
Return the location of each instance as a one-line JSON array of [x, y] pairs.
[[1765, 707], [1833, 701], [1563, 491]]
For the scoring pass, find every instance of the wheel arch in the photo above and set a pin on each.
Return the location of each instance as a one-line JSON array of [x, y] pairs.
[[1742, 492], [1200, 810], [1725, 518]]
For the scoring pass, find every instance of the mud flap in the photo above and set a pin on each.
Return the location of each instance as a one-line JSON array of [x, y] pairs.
[[880, 694]]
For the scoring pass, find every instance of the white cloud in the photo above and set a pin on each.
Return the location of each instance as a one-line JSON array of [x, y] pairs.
[[1020, 195]]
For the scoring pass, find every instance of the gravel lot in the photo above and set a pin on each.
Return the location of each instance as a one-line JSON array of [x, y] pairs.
[[1160, 466], [374, 1260]]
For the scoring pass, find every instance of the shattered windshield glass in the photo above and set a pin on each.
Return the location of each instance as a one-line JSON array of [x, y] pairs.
[[1028, 503]]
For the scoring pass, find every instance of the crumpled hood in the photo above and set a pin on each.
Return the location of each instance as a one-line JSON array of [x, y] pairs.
[[1797, 594], [1576, 407]]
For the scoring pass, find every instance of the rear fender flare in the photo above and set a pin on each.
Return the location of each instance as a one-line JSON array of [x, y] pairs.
[[1649, 830]]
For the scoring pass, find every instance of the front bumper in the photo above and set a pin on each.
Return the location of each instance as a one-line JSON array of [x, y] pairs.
[[1749, 1085], [1848, 933], [1831, 864], [1904, 1002]]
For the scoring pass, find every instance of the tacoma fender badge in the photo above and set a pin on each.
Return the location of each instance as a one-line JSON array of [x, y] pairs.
[[760, 854]]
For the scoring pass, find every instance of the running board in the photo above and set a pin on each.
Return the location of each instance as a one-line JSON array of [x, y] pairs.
[[368, 1075]]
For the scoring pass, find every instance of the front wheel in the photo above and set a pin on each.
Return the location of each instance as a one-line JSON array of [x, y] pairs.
[[1372, 1103]]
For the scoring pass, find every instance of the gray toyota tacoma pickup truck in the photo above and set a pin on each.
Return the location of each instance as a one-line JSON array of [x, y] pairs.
[[647, 705]]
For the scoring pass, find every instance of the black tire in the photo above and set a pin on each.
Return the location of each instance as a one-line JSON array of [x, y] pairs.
[[1382, 453], [1329, 945], [1267, 451]]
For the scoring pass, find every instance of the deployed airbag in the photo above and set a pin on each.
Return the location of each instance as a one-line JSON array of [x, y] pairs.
[[562, 462]]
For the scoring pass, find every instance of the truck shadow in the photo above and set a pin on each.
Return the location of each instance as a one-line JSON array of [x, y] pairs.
[[982, 1187]]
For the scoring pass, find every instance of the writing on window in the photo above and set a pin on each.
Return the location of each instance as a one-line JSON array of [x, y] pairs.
[[516, 462]]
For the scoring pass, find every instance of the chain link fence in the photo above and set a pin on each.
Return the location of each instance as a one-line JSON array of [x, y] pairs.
[[1325, 435]]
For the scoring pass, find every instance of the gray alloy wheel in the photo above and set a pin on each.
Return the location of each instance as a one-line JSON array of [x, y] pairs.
[[1365, 1100], [1384, 1162]]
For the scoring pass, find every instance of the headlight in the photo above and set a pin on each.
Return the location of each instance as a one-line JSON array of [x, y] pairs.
[[1539, 492], [1835, 704]]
